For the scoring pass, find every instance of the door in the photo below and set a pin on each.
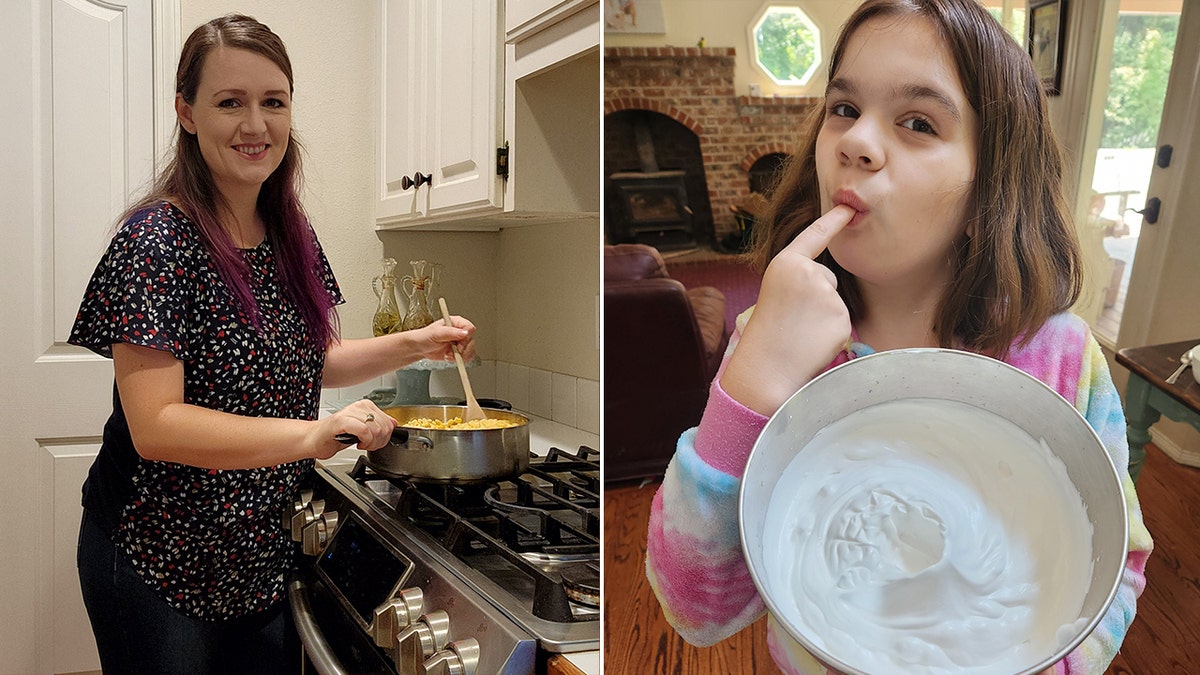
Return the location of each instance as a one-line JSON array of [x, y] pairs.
[[464, 105], [401, 119], [1135, 47], [441, 105], [78, 129], [1162, 305]]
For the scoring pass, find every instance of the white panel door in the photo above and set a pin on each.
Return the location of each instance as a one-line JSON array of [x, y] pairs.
[[78, 132]]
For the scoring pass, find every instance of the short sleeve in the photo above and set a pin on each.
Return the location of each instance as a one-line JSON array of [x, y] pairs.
[[138, 291], [326, 273]]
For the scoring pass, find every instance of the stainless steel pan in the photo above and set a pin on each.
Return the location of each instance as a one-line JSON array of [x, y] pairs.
[[451, 456]]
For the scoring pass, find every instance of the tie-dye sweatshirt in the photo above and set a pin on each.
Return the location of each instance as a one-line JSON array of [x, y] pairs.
[[694, 560]]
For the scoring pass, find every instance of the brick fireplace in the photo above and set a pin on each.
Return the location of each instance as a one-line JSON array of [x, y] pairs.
[[694, 87]]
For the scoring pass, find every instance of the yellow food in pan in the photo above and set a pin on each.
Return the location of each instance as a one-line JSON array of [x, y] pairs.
[[457, 424]]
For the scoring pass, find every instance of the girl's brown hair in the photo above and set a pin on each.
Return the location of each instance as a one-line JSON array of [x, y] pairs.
[[1022, 263], [187, 182]]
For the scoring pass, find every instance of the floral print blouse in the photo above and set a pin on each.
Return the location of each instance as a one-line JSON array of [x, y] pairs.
[[210, 542]]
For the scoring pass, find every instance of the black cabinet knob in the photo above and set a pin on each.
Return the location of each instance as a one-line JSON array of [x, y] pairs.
[[418, 179]]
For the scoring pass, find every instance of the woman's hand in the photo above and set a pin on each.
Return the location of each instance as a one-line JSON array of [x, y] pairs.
[[434, 341], [799, 322], [351, 362], [362, 419]]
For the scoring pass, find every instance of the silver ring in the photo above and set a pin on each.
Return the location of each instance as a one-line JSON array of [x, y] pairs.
[[370, 417]]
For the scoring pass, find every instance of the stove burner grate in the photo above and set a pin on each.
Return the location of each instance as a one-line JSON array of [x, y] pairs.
[[541, 528]]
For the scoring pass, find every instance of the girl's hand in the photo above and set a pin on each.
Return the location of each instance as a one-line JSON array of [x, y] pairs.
[[799, 323], [362, 419], [434, 341]]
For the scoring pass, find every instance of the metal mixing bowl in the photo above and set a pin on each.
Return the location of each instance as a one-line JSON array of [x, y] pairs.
[[949, 375]]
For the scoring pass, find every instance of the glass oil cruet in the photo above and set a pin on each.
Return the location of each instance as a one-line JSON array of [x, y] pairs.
[[387, 316], [416, 287], [431, 289]]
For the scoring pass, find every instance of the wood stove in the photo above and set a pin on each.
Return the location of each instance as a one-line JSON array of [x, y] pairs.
[[651, 207]]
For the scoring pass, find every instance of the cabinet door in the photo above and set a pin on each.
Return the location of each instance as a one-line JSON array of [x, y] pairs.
[[401, 92], [440, 110], [464, 105]]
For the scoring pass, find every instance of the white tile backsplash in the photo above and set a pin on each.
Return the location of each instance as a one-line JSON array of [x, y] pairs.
[[518, 386], [502, 380], [541, 396], [357, 391], [587, 405], [447, 382], [563, 403], [566, 400]]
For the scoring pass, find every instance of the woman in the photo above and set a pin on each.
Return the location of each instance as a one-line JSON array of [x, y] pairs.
[[215, 303]]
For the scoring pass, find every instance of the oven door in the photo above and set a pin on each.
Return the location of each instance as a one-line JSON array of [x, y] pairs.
[[333, 645]]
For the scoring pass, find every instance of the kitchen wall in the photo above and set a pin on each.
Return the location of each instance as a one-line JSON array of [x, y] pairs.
[[535, 289]]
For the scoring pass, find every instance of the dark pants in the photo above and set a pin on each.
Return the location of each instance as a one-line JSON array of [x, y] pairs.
[[138, 633]]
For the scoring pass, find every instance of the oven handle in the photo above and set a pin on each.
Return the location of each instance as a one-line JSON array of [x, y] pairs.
[[315, 646]]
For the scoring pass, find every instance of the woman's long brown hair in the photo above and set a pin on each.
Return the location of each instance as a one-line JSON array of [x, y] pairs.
[[1022, 263], [187, 182]]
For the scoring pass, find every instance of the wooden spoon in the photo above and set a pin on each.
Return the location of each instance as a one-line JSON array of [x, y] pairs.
[[474, 412]]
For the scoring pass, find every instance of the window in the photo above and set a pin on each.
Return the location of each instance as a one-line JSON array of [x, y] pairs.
[[1010, 14], [786, 44]]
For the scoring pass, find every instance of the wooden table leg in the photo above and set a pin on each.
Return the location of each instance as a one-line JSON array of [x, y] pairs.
[[1140, 415]]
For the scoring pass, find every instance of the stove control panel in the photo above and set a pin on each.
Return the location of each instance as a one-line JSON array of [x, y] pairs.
[[395, 615], [310, 524], [316, 533], [424, 648], [420, 615], [460, 658]]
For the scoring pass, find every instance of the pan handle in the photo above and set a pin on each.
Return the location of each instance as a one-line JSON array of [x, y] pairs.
[[399, 437]]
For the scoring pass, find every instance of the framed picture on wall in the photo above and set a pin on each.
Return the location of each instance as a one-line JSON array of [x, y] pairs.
[[1047, 32], [633, 16]]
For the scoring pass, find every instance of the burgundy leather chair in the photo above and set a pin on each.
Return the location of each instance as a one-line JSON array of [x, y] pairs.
[[662, 346]]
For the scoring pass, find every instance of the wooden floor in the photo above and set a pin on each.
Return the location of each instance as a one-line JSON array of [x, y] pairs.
[[1165, 637]]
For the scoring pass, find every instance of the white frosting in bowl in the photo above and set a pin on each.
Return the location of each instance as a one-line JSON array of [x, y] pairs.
[[929, 536]]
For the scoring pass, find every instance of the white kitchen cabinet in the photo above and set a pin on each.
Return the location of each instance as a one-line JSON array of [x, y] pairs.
[[552, 109], [441, 105], [523, 18]]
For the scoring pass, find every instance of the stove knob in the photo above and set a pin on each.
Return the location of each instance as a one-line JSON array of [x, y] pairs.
[[305, 497], [305, 516], [422, 640], [396, 614], [462, 658], [317, 533]]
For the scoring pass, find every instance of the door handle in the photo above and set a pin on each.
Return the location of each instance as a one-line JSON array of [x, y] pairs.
[[1150, 213]]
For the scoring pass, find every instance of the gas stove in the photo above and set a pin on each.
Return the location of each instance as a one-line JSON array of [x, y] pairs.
[[413, 577]]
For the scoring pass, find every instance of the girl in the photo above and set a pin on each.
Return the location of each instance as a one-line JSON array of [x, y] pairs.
[[925, 210], [214, 302]]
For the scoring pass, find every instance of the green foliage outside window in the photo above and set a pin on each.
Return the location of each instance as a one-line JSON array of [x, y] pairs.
[[786, 45], [1141, 63]]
